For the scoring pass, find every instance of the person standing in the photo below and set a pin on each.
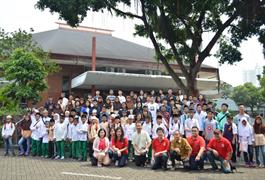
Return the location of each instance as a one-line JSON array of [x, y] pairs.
[[25, 132], [189, 123], [221, 116], [60, 132], [8, 130], [200, 115], [141, 142], [209, 126], [36, 129], [259, 140]]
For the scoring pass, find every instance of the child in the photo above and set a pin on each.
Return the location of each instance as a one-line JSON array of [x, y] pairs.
[[245, 140], [75, 139], [190, 122], [209, 126], [60, 135], [129, 131], [36, 129], [69, 135], [51, 138], [82, 133], [104, 124], [7, 133], [159, 120], [175, 125], [45, 140]]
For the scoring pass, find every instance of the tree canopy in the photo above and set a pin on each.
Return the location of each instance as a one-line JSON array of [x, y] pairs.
[[176, 28]]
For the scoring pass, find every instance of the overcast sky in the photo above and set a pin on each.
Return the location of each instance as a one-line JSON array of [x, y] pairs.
[[15, 14]]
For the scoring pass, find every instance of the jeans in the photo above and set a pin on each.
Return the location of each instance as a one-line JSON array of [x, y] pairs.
[[8, 144], [121, 160], [211, 157], [248, 156], [257, 150], [196, 165], [20, 143], [140, 160], [160, 161]]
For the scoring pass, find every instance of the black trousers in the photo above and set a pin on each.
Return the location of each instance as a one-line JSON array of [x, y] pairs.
[[51, 149], [140, 160], [160, 162]]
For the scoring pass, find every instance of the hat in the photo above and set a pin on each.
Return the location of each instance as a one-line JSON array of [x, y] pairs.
[[243, 119], [8, 117], [113, 115], [76, 117], [131, 116], [94, 111]]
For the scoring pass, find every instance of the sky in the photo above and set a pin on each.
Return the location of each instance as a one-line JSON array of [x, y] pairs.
[[15, 14]]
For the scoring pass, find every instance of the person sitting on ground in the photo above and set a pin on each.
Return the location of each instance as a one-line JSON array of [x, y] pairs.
[[180, 150], [160, 150], [219, 148]]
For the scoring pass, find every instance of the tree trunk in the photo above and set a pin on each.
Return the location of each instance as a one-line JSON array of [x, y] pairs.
[[192, 86]]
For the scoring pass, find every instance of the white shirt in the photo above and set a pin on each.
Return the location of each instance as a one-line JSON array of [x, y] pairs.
[[60, 131], [74, 132], [140, 140], [122, 99], [201, 118], [174, 127], [82, 132], [189, 123], [148, 128], [45, 135], [129, 131], [46, 119], [157, 126], [8, 129], [152, 108], [36, 129], [69, 130]]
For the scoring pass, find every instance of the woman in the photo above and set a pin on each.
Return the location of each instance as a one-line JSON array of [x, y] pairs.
[[259, 140], [86, 107], [25, 132], [101, 148], [120, 148], [92, 134], [111, 136]]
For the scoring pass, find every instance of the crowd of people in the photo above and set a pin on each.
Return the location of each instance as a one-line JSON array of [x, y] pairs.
[[144, 128]]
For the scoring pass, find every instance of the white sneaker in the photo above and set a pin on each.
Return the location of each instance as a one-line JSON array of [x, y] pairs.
[[62, 157], [117, 163], [57, 157]]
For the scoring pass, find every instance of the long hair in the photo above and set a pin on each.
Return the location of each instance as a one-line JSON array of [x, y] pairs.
[[122, 134], [258, 128]]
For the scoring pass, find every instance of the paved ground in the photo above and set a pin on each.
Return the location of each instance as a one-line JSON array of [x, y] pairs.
[[22, 168]]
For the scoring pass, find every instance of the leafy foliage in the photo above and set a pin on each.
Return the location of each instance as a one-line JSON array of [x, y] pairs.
[[26, 74], [180, 26]]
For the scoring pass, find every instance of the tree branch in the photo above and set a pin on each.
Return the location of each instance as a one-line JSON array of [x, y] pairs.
[[157, 49]]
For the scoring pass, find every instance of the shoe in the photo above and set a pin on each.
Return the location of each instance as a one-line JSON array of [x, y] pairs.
[[45, 156], [57, 157], [62, 158], [99, 165], [13, 154], [247, 165], [6, 154], [117, 163], [21, 154], [42, 156], [26, 154], [252, 164]]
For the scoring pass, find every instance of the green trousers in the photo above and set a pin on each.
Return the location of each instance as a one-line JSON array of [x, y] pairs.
[[83, 150], [36, 147], [60, 148], [68, 149], [45, 149], [75, 149]]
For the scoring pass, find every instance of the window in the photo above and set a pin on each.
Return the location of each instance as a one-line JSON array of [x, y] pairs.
[[66, 85]]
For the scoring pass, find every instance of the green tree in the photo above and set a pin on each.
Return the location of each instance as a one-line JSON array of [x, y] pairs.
[[26, 74], [176, 28], [249, 95], [226, 89], [22, 39]]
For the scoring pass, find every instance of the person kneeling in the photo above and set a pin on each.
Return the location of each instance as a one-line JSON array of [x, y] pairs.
[[101, 148], [120, 148], [141, 142], [160, 150], [219, 148], [180, 150]]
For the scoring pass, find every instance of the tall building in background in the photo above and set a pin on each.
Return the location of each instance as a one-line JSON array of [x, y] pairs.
[[251, 75]]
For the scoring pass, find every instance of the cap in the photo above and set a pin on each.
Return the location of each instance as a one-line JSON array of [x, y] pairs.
[[94, 111], [8, 117], [131, 116]]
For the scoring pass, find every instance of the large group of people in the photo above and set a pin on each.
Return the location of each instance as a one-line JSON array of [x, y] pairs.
[[144, 128]]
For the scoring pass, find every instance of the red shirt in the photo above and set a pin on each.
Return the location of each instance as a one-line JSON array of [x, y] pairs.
[[222, 146], [196, 144], [159, 146], [120, 144]]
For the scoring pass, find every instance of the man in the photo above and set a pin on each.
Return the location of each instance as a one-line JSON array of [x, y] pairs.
[[190, 122], [46, 117], [141, 142], [111, 95], [160, 150], [180, 150], [121, 97], [219, 148], [241, 114], [200, 116], [197, 144], [230, 133], [153, 107], [221, 116], [184, 117]]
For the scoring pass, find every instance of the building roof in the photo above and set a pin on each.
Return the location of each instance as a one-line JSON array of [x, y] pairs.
[[78, 42]]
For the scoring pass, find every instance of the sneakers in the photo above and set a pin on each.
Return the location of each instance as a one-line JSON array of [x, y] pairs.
[[62, 158], [261, 166], [21, 154], [99, 165], [6, 154], [117, 163], [251, 164], [57, 157]]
